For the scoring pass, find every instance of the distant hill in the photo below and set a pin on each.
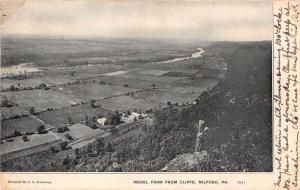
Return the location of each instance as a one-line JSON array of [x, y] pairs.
[[45, 51]]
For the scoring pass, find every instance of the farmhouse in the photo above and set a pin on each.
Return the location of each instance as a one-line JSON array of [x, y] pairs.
[[133, 116], [102, 120]]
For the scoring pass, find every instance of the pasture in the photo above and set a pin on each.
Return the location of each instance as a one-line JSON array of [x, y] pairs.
[[8, 112], [34, 140], [41, 99], [164, 96], [25, 124], [124, 103], [95, 91], [33, 82], [119, 81], [76, 113], [80, 131]]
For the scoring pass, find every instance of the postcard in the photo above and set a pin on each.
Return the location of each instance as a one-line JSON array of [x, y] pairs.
[[151, 94]]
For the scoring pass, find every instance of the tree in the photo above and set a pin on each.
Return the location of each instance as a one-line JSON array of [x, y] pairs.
[[113, 129], [68, 136], [66, 160], [59, 130], [32, 110], [70, 121], [153, 85], [4, 101], [53, 149], [72, 73], [40, 129], [17, 133], [99, 145], [76, 151], [94, 126], [128, 112], [169, 104], [12, 88], [126, 85], [93, 103], [42, 86], [109, 147], [65, 128], [114, 118], [63, 145], [25, 138]]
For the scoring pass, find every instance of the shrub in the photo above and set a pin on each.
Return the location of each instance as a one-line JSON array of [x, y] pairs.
[[66, 161], [63, 145], [70, 120], [32, 110], [68, 136], [109, 147], [17, 133], [65, 128], [59, 130], [76, 151], [29, 133], [94, 126], [53, 149], [40, 129], [113, 129], [25, 138]]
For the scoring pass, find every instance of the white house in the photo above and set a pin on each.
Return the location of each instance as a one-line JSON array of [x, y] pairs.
[[130, 118], [102, 120]]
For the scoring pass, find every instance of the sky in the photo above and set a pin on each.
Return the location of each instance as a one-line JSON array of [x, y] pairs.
[[209, 20]]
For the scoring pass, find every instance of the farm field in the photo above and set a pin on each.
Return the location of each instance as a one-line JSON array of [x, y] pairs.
[[8, 112], [149, 71], [80, 131], [152, 78], [25, 124], [41, 99], [33, 82], [34, 140], [90, 91], [76, 113], [116, 80], [124, 103], [198, 83], [164, 96]]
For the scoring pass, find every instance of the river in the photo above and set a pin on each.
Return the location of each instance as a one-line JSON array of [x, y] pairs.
[[194, 55]]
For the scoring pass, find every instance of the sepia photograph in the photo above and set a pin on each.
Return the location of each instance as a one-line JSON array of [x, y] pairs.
[[136, 86]]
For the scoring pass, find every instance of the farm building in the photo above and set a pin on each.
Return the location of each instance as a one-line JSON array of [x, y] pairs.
[[102, 120], [130, 118]]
